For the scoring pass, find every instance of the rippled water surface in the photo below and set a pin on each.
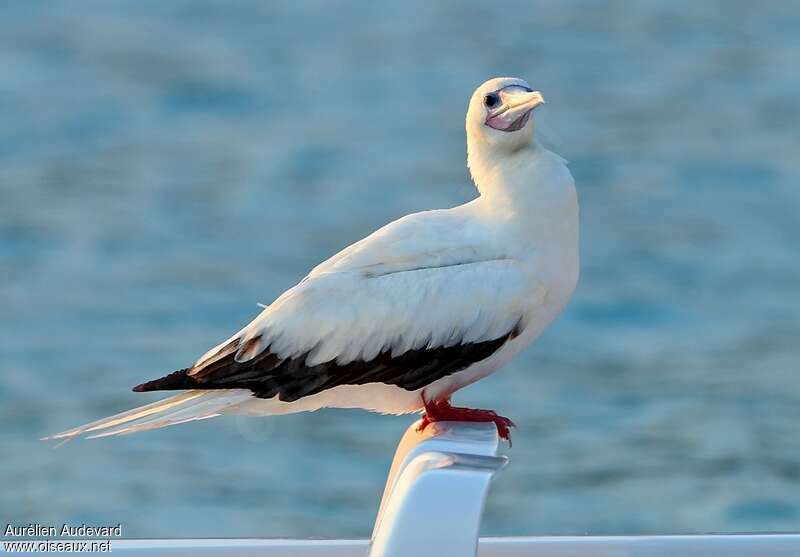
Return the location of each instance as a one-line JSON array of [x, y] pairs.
[[166, 165]]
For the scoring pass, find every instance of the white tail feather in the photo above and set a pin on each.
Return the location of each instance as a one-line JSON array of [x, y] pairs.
[[185, 407]]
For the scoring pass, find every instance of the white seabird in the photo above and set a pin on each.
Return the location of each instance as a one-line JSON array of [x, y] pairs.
[[399, 321]]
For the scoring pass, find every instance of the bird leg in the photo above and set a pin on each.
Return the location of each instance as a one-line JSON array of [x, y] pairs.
[[441, 411]]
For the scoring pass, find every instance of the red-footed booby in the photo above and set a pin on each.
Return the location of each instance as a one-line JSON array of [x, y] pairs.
[[399, 321]]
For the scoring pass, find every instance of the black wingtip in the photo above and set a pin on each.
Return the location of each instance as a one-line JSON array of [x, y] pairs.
[[174, 381]]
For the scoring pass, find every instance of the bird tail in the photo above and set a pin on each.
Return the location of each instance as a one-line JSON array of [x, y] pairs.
[[185, 407]]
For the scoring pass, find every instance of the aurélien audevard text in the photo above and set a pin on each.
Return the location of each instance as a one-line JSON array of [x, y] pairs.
[[36, 530]]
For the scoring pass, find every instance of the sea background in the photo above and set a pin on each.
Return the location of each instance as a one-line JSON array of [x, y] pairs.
[[164, 166]]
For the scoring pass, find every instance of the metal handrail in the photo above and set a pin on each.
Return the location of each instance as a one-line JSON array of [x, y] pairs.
[[434, 495]]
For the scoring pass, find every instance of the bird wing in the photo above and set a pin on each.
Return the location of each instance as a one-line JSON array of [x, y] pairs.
[[417, 300]]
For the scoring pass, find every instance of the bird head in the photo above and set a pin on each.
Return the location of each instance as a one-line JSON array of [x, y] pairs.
[[500, 113]]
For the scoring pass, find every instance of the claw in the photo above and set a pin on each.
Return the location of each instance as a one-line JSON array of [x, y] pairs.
[[441, 411]]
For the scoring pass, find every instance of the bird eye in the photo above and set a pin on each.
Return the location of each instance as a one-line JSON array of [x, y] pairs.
[[491, 100]]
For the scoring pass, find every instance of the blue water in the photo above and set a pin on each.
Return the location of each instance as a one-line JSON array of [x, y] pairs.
[[166, 165]]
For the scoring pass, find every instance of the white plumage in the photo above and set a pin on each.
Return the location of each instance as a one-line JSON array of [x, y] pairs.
[[499, 267]]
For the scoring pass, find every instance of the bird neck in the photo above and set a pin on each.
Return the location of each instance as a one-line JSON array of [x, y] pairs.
[[531, 193], [516, 180]]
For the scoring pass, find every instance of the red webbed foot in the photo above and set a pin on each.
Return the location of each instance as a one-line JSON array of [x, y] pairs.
[[441, 411]]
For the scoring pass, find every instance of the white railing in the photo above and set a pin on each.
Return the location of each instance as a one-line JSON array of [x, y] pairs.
[[432, 505]]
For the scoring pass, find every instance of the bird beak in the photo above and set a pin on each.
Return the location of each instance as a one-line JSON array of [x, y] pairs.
[[521, 101], [513, 113]]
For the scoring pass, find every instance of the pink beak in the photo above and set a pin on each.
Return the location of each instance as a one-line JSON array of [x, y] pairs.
[[515, 109]]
